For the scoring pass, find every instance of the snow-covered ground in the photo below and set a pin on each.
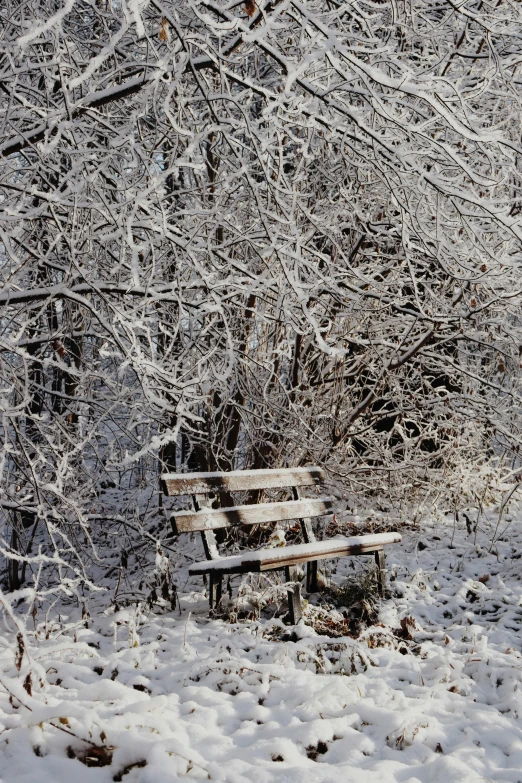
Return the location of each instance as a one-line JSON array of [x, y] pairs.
[[175, 695]]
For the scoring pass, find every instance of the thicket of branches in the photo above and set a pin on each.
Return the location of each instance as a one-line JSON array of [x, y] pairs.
[[245, 235]]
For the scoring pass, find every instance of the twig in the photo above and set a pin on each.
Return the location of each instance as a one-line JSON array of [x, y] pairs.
[[185, 634]]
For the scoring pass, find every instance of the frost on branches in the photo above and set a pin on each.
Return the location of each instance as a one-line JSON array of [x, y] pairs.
[[247, 235]]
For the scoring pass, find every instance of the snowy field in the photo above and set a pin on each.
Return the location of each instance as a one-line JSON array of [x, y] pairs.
[[171, 695]]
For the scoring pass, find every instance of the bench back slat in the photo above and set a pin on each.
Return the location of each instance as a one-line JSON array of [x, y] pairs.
[[212, 519], [205, 483]]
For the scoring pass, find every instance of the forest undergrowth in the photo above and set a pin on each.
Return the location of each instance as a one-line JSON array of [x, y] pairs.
[[421, 686]]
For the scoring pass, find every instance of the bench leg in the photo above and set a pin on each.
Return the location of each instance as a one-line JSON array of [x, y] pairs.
[[380, 561], [215, 589], [311, 576], [294, 596]]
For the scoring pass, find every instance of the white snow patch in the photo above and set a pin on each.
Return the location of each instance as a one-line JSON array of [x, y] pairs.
[[180, 696]]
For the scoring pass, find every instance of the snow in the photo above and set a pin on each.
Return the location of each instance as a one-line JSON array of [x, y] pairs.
[[338, 543], [39, 27], [245, 473], [176, 695]]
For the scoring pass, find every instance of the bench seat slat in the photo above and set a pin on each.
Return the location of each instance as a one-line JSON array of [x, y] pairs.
[[279, 557], [204, 483], [212, 519]]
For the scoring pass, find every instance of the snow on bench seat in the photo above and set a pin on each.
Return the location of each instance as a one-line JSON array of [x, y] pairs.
[[279, 557]]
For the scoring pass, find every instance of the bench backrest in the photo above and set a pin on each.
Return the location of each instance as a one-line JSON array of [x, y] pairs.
[[206, 520], [237, 480]]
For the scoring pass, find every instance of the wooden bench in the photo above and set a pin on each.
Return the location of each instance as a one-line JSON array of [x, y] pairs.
[[206, 520]]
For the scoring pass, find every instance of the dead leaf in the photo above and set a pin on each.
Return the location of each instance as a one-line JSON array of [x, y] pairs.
[[164, 31], [28, 684], [93, 756]]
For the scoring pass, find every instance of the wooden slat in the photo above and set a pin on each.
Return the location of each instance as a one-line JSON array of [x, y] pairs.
[[188, 521], [281, 557], [203, 483]]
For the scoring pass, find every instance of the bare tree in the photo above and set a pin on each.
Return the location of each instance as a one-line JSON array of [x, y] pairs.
[[237, 235]]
